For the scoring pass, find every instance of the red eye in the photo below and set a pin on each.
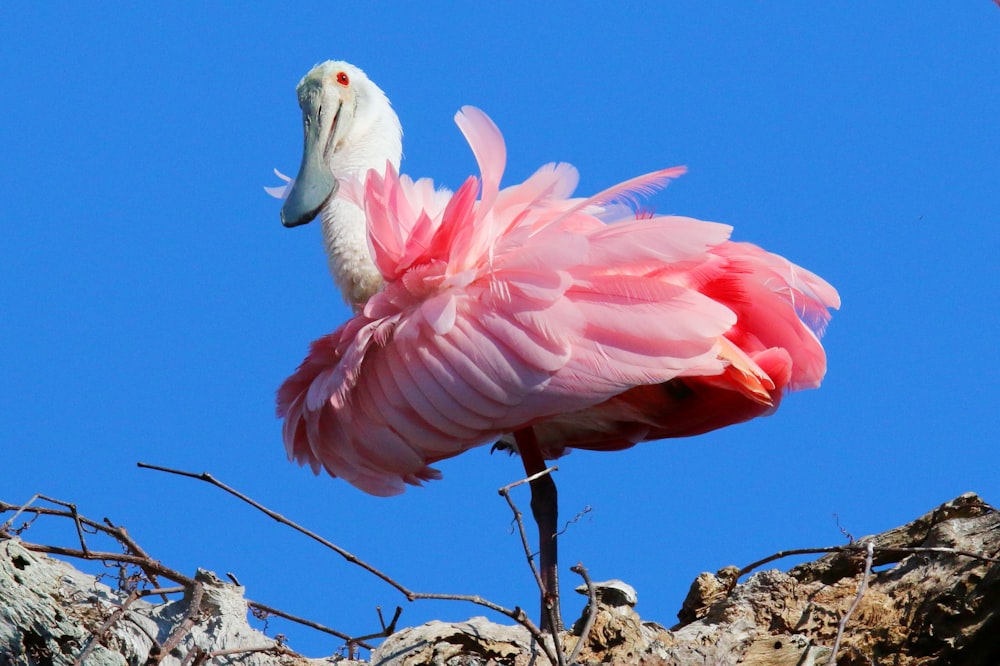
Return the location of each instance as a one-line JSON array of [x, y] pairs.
[[343, 79]]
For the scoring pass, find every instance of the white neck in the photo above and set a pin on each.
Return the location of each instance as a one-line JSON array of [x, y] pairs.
[[346, 241], [344, 231]]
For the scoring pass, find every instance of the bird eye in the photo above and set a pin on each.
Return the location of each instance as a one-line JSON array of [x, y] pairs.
[[342, 78]]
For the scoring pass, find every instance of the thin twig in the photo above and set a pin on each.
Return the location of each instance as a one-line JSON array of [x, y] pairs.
[[276, 647], [139, 558], [552, 610], [519, 519], [166, 572], [205, 476], [529, 555], [515, 614], [554, 621], [19, 510], [116, 532], [161, 591], [387, 629], [788, 553], [308, 623], [76, 519], [534, 477], [941, 550], [119, 532], [862, 586], [843, 530], [38, 496], [856, 548], [171, 574], [184, 628], [95, 637], [43, 510], [575, 519], [591, 611], [555, 655]]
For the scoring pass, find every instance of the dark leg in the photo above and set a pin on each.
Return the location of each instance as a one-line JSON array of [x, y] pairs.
[[545, 508]]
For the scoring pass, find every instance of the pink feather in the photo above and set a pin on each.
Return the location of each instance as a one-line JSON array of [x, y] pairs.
[[521, 307]]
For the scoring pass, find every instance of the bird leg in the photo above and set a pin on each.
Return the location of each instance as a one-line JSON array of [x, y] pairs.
[[545, 508]]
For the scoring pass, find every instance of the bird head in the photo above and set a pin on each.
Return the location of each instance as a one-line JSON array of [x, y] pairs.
[[349, 126]]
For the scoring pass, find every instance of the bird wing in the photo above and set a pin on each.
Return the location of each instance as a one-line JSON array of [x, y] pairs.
[[502, 310]]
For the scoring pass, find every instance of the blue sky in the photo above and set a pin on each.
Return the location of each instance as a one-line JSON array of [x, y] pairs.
[[151, 301]]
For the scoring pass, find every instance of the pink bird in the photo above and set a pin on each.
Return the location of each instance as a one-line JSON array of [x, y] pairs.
[[521, 314]]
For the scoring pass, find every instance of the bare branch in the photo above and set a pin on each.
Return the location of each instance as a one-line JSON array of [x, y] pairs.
[[788, 553], [144, 562], [208, 478], [940, 550], [862, 586], [116, 532], [182, 630], [515, 614], [17, 511], [119, 532], [519, 519], [38, 496], [856, 548], [309, 623], [76, 519], [276, 648], [147, 565], [529, 479], [591, 611], [554, 655], [161, 591], [95, 637], [387, 630]]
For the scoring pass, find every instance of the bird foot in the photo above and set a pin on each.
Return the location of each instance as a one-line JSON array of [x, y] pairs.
[[504, 446]]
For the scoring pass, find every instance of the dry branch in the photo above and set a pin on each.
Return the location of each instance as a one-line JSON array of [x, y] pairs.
[[934, 599], [553, 653], [590, 611], [113, 611], [938, 604]]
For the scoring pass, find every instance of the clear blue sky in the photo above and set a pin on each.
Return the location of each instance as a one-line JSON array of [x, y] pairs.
[[151, 302]]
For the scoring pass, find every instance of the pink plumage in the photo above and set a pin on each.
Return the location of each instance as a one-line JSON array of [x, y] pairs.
[[517, 307]]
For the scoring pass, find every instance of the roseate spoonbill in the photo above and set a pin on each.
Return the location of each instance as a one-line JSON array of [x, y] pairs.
[[521, 314]]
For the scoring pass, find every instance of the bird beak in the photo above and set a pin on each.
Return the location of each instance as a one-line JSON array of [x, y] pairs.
[[315, 184]]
